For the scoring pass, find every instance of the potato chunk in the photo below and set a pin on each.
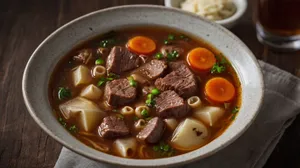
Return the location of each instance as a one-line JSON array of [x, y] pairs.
[[81, 75], [91, 92], [87, 113], [209, 114], [126, 147], [189, 135]]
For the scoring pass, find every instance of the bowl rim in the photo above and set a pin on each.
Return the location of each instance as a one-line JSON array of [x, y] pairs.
[[241, 7], [134, 162]]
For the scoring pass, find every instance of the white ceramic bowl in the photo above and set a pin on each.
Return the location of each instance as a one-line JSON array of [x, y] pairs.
[[51, 50], [241, 6]]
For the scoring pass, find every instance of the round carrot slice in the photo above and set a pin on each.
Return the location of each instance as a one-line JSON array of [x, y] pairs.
[[201, 59], [219, 90], [141, 45]]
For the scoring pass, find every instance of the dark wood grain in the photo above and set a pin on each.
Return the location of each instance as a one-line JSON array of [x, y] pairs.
[[25, 23]]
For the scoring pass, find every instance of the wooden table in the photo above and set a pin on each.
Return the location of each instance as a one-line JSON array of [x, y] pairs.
[[25, 23]]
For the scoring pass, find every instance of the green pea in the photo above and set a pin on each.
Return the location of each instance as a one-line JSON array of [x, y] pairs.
[[159, 56], [145, 113], [99, 61], [155, 92]]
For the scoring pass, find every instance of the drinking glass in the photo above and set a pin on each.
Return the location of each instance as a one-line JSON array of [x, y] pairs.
[[278, 23]]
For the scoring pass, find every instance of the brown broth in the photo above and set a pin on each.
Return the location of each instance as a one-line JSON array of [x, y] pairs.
[[61, 77]]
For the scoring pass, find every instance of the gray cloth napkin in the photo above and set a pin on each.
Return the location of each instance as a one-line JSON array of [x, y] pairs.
[[281, 105]]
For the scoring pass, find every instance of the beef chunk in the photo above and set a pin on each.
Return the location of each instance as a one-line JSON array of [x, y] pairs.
[[181, 80], [152, 70], [169, 104], [84, 56], [119, 92], [120, 60], [153, 131], [112, 127]]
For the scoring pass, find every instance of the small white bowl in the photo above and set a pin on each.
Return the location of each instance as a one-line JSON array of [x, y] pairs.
[[241, 6]]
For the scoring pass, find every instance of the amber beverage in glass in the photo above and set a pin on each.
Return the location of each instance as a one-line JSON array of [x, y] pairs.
[[278, 23]]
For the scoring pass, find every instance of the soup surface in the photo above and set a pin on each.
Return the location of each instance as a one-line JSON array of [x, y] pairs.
[[145, 93]]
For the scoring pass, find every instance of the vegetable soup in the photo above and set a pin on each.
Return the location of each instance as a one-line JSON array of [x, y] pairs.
[[145, 93]]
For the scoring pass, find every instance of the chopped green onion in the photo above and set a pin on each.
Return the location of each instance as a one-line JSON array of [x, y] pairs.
[[64, 93], [155, 92], [120, 116], [235, 110], [107, 42], [155, 148], [99, 61], [135, 118], [112, 75], [148, 118], [109, 79], [166, 148], [132, 82], [172, 55], [114, 110], [62, 122], [73, 129], [101, 82], [171, 37], [158, 55], [166, 42], [145, 113]]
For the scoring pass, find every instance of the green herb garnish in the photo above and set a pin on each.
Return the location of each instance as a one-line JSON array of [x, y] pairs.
[[73, 129], [99, 61], [171, 37], [62, 122], [132, 82], [145, 113], [219, 66], [166, 42], [64, 93], [172, 55], [164, 149], [120, 116], [159, 55], [103, 80], [135, 118], [234, 112], [107, 42]]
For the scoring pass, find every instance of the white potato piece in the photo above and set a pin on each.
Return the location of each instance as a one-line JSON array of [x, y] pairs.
[[125, 147], [88, 114], [81, 75], [209, 114], [171, 123], [189, 135], [91, 92]]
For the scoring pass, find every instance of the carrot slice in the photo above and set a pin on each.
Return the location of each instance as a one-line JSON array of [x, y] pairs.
[[141, 45], [201, 59], [219, 90]]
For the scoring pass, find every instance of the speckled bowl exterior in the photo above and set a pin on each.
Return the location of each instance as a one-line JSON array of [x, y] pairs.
[[241, 6], [53, 48]]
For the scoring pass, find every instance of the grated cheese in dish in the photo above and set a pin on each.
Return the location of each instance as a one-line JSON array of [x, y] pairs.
[[210, 9]]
